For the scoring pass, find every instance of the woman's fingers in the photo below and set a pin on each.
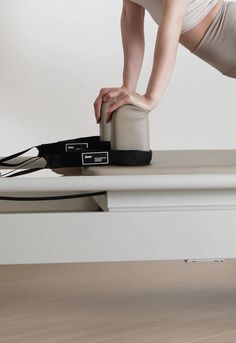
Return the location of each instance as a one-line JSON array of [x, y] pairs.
[[129, 98], [112, 94], [125, 100], [116, 98], [98, 103], [99, 100]]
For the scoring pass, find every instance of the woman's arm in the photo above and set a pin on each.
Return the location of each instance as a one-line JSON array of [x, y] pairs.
[[166, 48], [132, 31], [164, 59]]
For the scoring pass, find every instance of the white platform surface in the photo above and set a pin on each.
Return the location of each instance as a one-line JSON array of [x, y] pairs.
[[184, 207]]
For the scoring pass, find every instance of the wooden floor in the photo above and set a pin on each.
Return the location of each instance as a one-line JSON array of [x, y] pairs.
[[127, 302]]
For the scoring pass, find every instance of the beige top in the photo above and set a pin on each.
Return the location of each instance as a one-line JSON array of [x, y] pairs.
[[196, 11]]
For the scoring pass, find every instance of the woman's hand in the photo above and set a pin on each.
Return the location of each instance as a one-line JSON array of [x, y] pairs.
[[121, 96]]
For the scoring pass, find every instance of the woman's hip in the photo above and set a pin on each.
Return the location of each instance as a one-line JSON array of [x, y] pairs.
[[218, 45]]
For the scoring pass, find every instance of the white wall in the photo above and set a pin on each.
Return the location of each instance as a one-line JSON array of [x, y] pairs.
[[57, 54]]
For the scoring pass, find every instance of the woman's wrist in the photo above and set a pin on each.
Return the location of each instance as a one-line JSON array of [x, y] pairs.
[[129, 87], [152, 98]]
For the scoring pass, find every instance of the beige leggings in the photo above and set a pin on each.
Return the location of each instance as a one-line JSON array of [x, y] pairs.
[[218, 45]]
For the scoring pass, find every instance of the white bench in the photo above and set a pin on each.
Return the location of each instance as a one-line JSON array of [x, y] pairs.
[[182, 206]]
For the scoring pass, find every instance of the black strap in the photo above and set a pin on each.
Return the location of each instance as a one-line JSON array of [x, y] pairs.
[[24, 172], [73, 153], [22, 166], [74, 144], [11, 157], [88, 158], [98, 158]]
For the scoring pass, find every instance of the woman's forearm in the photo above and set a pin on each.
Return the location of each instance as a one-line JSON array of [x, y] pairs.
[[163, 62], [133, 40], [166, 48]]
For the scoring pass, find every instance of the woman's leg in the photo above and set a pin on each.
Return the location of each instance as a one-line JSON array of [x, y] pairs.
[[218, 46]]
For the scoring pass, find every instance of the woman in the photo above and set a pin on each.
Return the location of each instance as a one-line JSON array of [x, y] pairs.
[[207, 28]]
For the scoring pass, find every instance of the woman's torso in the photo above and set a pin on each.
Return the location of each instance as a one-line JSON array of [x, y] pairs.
[[199, 16]]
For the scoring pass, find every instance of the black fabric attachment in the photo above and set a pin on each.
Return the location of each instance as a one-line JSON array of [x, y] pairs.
[[98, 158], [72, 145], [77, 152], [91, 142]]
